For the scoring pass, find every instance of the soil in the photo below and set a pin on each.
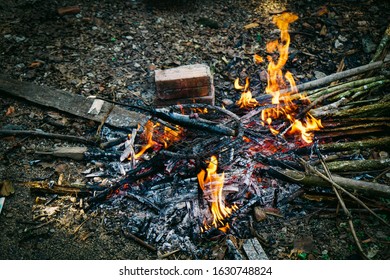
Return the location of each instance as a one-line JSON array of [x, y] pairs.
[[111, 49]]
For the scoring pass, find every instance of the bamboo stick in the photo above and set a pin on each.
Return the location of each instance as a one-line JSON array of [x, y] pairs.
[[383, 45], [380, 109], [363, 144], [358, 165]]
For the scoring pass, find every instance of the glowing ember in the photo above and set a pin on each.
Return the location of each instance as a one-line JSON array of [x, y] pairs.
[[276, 81], [171, 135], [211, 182]]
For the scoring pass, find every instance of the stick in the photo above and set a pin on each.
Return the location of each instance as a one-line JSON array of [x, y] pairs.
[[333, 182], [57, 189], [363, 144], [139, 241], [380, 109], [341, 201], [341, 75], [358, 165], [367, 188], [196, 123], [383, 45]]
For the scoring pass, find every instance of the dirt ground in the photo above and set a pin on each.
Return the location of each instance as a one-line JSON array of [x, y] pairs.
[[111, 49]]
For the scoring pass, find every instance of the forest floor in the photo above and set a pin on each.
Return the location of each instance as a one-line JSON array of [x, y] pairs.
[[111, 49]]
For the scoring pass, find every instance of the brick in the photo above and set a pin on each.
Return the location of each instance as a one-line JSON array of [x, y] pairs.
[[189, 81], [209, 99]]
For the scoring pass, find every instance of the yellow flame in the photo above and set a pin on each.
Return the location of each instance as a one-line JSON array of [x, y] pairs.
[[148, 134], [246, 100], [209, 180], [306, 129]]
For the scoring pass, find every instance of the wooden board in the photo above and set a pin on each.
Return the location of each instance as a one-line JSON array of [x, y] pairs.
[[74, 104]]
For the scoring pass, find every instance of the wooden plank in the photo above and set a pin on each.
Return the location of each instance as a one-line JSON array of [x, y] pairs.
[[74, 104]]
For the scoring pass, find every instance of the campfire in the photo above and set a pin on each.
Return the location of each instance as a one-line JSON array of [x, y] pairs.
[[191, 172]]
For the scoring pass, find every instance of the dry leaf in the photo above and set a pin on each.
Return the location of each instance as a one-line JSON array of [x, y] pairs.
[[251, 25], [35, 64], [10, 110], [6, 188], [322, 11]]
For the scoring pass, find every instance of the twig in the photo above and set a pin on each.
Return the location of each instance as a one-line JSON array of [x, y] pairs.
[[320, 174], [383, 45], [139, 241], [341, 75], [166, 255], [341, 201]]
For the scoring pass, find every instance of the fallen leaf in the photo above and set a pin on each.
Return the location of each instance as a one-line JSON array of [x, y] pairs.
[[322, 11], [6, 188], [35, 64], [10, 110], [251, 25]]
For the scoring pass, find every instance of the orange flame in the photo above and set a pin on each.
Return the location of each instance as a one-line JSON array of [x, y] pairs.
[[211, 182], [246, 100], [171, 135], [148, 134], [311, 124], [276, 81]]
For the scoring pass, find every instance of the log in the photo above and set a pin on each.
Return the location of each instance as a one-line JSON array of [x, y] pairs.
[[74, 104], [361, 187]]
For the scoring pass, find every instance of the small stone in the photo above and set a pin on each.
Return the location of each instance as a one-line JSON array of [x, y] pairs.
[[338, 44], [52, 230], [9, 215], [319, 74]]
